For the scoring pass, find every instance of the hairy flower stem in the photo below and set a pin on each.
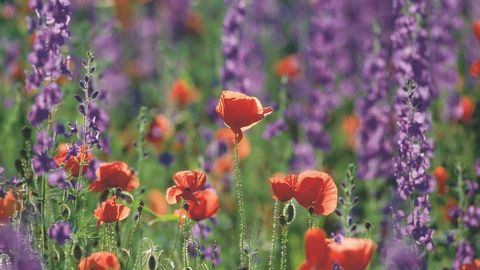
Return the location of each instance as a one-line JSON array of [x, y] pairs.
[[274, 235], [186, 238], [310, 221], [238, 189], [461, 200], [283, 255]]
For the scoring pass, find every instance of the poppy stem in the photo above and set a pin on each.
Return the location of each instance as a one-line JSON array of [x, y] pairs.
[[175, 240], [238, 187], [186, 239], [274, 235], [283, 256], [310, 220]]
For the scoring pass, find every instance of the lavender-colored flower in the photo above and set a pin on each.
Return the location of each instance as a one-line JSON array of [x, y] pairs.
[[51, 23], [166, 159], [477, 167], [16, 246], [303, 158], [40, 110], [201, 230], [375, 147], [464, 255], [471, 188], [399, 256], [58, 179], [471, 218], [60, 232], [231, 39], [42, 163], [212, 253], [43, 144], [452, 110], [275, 128]]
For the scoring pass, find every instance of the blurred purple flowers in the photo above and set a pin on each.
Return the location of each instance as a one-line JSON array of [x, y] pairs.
[[60, 232]]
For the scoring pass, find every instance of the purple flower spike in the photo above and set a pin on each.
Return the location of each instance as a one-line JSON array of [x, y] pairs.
[[60, 232]]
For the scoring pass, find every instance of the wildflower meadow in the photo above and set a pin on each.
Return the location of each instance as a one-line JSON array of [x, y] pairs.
[[240, 134]]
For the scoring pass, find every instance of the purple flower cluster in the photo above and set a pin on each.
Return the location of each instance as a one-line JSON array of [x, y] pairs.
[[465, 254], [303, 158], [60, 232], [19, 254], [375, 147], [471, 218], [41, 161], [40, 110], [399, 256], [209, 253], [231, 73], [50, 24]]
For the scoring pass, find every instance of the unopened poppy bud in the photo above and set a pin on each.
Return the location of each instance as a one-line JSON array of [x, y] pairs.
[[311, 210], [368, 225], [152, 263], [186, 206], [283, 220], [65, 211], [27, 132], [77, 252], [289, 212]]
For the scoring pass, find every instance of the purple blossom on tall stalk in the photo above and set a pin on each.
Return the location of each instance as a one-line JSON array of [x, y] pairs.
[[303, 158], [464, 255], [375, 147], [231, 38], [50, 23], [16, 246], [60, 232]]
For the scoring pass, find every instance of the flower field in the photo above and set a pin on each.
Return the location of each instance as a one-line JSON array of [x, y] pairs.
[[240, 134]]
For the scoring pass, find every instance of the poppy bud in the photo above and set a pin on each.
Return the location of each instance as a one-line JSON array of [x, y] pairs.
[[368, 225], [283, 220], [152, 263], [65, 211], [289, 212], [27, 132], [77, 252]]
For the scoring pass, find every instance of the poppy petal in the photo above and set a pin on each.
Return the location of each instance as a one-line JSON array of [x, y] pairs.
[[475, 69], [352, 253], [316, 250], [329, 197], [173, 194]]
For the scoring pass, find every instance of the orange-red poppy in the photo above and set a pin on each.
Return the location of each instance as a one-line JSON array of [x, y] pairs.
[[73, 164], [317, 189], [289, 67], [194, 23], [227, 135], [223, 165], [475, 69], [102, 260], [476, 29], [204, 206], [124, 12], [115, 174], [283, 187], [159, 131], [441, 175], [322, 253], [181, 93], [110, 211], [7, 206], [475, 265], [468, 108], [240, 112], [186, 183], [157, 202], [350, 126]]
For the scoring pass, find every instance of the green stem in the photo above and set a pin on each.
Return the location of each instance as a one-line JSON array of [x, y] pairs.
[[186, 236], [461, 199], [310, 220], [274, 235], [238, 187], [283, 258]]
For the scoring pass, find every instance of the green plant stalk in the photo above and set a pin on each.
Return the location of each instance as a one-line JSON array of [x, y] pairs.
[[461, 200], [274, 235], [238, 187], [283, 256], [186, 238]]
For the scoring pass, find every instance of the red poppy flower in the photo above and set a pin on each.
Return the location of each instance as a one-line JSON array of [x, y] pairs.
[[475, 69], [283, 187], [181, 93], [316, 189], [223, 165], [475, 265], [204, 206], [468, 108], [322, 253], [114, 175], [109, 211], [476, 29], [441, 175], [186, 183], [159, 131], [350, 126], [7, 206], [74, 162], [102, 260], [288, 66], [240, 112]]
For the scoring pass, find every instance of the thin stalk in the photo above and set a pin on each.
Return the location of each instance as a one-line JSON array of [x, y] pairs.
[[274, 235], [186, 238], [238, 187], [283, 256]]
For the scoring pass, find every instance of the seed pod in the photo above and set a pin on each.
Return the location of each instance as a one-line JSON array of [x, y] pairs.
[[77, 252], [152, 263], [289, 212]]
